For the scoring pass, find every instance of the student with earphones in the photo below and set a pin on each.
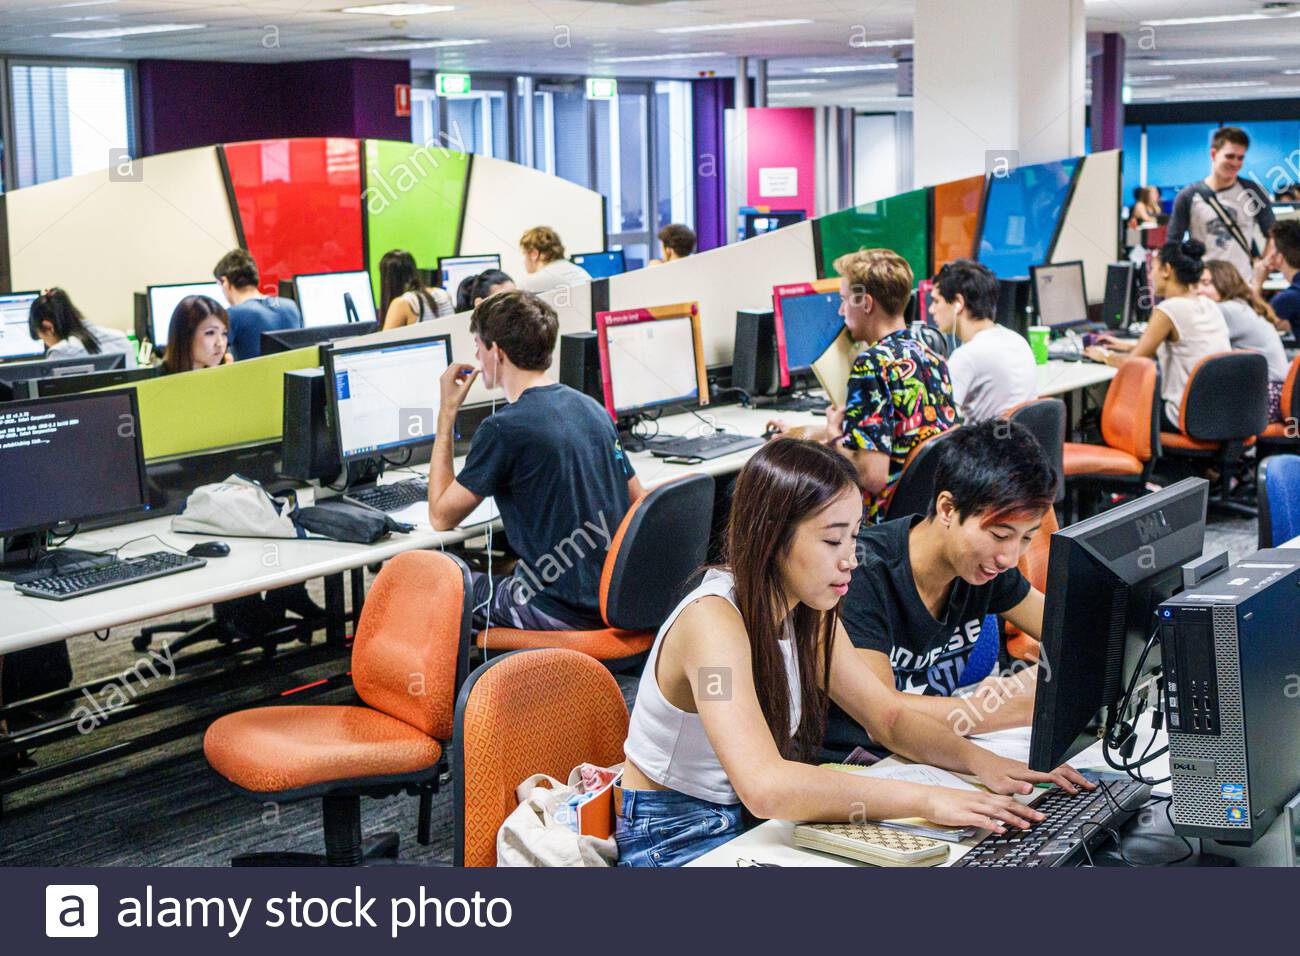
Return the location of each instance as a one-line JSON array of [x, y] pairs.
[[550, 458]]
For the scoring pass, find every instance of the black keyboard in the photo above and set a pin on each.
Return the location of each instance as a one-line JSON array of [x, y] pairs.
[[391, 498], [1071, 821], [800, 403], [62, 585], [705, 447]]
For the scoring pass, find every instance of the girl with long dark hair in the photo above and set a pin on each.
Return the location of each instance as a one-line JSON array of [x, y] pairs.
[[403, 297], [60, 325], [198, 336], [733, 701]]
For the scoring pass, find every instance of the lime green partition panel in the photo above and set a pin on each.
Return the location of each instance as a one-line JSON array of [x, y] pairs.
[[219, 407], [413, 198], [900, 223]]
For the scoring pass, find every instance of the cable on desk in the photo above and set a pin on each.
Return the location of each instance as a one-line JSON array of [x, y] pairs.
[[146, 537]]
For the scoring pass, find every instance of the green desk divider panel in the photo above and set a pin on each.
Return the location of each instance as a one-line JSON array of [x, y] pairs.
[[900, 223], [220, 407], [414, 196]]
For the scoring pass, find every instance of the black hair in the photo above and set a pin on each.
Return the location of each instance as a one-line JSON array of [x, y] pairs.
[[477, 286], [995, 468], [1286, 237], [1186, 258], [398, 274], [55, 307], [974, 282], [239, 266]]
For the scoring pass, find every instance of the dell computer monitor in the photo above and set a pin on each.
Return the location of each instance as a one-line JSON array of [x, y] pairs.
[[650, 358], [808, 321], [16, 340], [286, 340], [454, 270], [385, 395], [1060, 296], [77, 452], [601, 265], [1105, 578], [163, 300], [333, 298]]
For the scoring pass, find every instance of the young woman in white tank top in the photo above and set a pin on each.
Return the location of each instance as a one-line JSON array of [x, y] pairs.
[[1184, 328], [736, 687]]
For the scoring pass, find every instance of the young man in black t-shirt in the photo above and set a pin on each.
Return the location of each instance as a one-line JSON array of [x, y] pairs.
[[552, 461], [924, 583]]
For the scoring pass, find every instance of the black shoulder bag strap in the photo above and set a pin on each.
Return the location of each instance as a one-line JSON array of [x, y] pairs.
[[1208, 194]]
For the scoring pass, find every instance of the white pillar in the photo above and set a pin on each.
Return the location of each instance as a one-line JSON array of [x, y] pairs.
[[996, 78]]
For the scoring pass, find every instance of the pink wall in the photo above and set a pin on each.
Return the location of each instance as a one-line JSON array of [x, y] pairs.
[[781, 137]]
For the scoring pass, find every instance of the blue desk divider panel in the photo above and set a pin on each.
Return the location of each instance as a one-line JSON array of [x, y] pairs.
[[1022, 212]]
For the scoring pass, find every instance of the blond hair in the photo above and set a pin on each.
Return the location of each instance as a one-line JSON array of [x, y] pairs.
[[545, 241], [880, 273]]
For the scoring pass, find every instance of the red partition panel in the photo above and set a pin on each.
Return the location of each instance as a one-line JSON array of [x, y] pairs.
[[956, 217], [299, 202]]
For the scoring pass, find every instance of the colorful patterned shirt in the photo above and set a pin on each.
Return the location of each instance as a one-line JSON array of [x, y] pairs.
[[899, 395]]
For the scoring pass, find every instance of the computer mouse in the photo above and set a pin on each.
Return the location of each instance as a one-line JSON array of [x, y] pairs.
[[209, 549]]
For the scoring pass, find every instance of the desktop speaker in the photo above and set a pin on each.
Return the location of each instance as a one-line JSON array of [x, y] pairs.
[[308, 451], [754, 365], [580, 364], [1116, 310], [1013, 305]]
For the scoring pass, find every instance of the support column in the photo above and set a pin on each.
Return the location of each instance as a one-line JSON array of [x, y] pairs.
[[760, 82], [1014, 96], [1108, 94]]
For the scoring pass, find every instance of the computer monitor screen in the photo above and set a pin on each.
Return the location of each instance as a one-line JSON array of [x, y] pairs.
[[757, 222], [456, 269], [286, 340], [163, 300], [601, 265], [83, 453], [1105, 578], [651, 357], [385, 395], [1060, 295], [808, 321], [323, 298], [86, 381], [15, 336], [1023, 208], [13, 373]]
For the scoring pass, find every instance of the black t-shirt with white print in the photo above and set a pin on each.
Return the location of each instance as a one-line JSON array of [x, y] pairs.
[[884, 612]]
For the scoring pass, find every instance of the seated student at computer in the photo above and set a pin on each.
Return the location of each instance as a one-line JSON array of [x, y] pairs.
[[474, 289], [993, 370], [924, 584], [198, 336], [550, 458], [1250, 324], [545, 263], [58, 323], [1283, 255], [697, 756], [1184, 328], [899, 393], [404, 299], [250, 312], [677, 241]]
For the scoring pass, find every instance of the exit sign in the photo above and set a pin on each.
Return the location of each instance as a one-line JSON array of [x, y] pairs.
[[452, 84], [601, 88]]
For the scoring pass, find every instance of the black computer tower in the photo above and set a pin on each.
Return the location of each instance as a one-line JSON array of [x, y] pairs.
[[1117, 307], [1014, 305], [580, 363], [754, 365], [308, 451]]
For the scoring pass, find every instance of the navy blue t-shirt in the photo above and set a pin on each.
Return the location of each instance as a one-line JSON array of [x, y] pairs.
[[250, 319], [1287, 303], [554, 464]]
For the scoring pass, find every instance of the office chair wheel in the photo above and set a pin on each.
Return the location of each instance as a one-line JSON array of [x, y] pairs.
[[141, 642]]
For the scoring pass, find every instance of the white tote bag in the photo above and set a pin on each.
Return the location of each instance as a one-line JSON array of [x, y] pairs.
[[237, 507], [535, 833]]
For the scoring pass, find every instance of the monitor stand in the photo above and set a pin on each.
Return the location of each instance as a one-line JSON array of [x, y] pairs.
[[26, 558]]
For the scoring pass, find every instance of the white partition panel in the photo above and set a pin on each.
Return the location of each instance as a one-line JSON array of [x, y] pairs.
[[103, 237], [1090, 231], [723, 281], [505, 199]]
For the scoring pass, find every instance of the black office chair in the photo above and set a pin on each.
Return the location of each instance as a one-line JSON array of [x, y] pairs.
[[933, 339], [240, 623], [1045, 419], [915, 486]]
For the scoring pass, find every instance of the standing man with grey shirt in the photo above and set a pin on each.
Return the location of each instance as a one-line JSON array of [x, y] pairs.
[[1230, 215]]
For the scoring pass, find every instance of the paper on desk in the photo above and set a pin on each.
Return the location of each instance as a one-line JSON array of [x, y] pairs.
[[918, 773], [833, 368], [1012, 743]]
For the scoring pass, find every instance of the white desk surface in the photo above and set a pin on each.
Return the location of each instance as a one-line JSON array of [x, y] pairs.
[[259, 564], [772, 841]]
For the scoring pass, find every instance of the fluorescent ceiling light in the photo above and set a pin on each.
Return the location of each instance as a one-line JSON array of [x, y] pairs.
[[1150, 78], [116, 32], [1224, 18], [1202, 61], [84, 3], [1291, 72], [869, 43], [792, 93], [859, 68], [413, 44], [742, 25], [1219, 86], [399, 9], [805, 81], [647, 57]]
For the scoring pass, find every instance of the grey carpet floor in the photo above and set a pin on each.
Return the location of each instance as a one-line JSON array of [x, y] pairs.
[[165, 807]]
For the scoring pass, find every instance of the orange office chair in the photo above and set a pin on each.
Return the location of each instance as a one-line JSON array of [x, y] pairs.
[[1225, 407], [660, 544], [527, 712], [410, 657], [1284, 435], [1034, 567], [915, 487], [1045, 419], [1130, 428]]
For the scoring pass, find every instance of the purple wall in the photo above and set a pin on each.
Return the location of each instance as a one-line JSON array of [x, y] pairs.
[[709, 99], [187, 103]]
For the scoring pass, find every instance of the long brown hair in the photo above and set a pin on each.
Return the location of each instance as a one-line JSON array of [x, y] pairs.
[[1231, 286], [784, 484], [398, 274], [188, 315]]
